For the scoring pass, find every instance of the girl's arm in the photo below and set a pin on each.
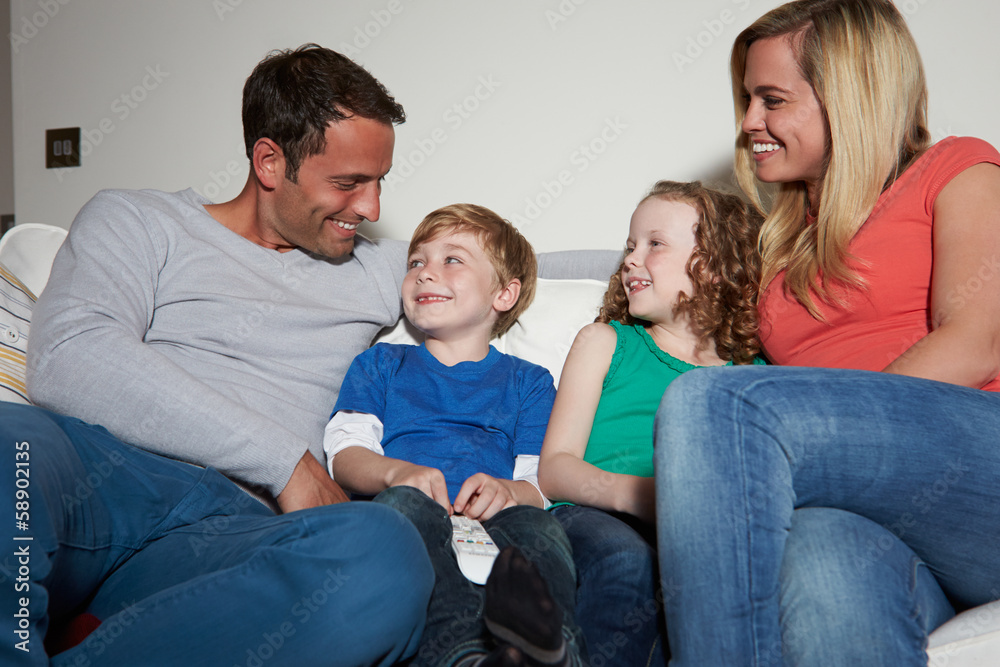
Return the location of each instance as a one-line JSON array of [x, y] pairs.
[[963, 346], [562, 472]]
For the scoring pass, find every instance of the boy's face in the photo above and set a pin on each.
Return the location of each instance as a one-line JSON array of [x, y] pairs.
[[450, 291]]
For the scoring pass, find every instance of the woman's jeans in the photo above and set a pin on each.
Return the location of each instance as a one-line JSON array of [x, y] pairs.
[[904, 474], [182, 567], [455, 627], [618, 605]]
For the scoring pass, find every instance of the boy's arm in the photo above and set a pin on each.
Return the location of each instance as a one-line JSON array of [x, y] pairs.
[[562, 472], [356, 461]]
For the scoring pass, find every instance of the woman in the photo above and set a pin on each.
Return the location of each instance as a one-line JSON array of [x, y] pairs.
[[880, 254]]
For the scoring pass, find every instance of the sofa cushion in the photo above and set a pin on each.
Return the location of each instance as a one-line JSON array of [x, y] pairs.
[[16, 302], [27, 251], [546, 331]]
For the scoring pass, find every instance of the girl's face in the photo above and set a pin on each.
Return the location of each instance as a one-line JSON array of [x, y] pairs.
[[660, 242], [785, 121]]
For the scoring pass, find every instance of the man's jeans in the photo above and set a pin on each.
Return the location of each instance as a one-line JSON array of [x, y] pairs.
[[908, 471], [618, 605], [183, 568], [455, 627]]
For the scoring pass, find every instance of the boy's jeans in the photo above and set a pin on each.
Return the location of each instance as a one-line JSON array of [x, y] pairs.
[[455, 626], [902, 464], [184, 568]]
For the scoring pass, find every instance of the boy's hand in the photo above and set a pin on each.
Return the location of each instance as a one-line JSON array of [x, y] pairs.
[[429, 480], [482, 496]]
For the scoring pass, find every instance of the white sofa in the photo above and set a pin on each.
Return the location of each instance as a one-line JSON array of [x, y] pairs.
[[543, 335]]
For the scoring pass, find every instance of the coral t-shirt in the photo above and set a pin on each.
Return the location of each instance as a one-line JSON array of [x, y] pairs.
[[877, 324]]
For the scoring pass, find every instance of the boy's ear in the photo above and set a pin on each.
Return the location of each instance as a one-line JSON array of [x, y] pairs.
[[507, 296]]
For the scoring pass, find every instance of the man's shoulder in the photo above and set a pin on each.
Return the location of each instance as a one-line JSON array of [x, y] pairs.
[[389, 250], [113, 205], [150, 198]]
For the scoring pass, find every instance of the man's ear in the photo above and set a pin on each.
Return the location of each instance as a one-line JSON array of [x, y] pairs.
[[268, 163], [507, 296]]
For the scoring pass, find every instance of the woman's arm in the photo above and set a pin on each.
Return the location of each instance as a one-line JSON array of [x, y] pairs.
[[963, 346], [562, 472]]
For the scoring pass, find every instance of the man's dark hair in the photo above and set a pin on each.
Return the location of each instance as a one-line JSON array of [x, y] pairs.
[[292, 95]]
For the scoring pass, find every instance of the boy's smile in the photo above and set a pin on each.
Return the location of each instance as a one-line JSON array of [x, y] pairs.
[[450, 289]]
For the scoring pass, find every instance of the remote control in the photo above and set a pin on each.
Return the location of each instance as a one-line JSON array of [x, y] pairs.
[[474, 548]]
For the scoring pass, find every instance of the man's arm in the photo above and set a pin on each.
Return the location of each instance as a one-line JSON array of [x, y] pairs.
[[310, 486], [88, 357]]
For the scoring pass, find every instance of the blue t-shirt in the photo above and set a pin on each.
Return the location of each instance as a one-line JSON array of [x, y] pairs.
[[475, 416]]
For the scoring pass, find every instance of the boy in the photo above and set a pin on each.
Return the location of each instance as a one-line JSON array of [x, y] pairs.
[[454, 426]]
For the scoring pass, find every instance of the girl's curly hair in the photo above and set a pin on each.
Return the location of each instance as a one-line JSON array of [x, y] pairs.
[[724, 269]]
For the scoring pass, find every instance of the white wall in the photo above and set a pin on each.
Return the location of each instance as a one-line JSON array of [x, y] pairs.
[[502, 97]]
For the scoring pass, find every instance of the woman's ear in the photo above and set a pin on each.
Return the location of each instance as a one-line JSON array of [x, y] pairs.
[[507, 296]]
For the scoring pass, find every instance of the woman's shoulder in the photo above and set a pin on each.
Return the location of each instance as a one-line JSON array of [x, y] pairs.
[[963, 147], [953, 154], [948, 158], [935, 168]]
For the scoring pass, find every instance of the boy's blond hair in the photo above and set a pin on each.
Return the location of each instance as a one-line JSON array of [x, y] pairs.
[[508, 251]]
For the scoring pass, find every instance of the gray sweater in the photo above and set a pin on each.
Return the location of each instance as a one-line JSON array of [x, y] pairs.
[[184, 338]]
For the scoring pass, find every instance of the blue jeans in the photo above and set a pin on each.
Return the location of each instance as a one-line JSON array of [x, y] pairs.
[[455, 627], [183, 568], [738, 449], [618, 605]]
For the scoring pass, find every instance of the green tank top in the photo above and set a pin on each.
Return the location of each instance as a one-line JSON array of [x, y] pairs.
[[621, 440]]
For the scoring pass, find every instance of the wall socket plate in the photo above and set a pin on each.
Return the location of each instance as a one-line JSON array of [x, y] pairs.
[[62, 148]]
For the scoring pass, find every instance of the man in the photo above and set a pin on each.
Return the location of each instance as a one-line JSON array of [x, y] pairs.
[[217, 335]]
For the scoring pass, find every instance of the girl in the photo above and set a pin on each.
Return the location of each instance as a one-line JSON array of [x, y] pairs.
[[684, 297], [877, 272]]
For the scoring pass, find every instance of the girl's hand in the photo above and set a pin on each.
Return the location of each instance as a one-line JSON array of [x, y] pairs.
[[482, 496]]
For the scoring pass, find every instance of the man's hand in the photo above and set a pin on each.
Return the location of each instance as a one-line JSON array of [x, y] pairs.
[[310, 486], [429, 480], [482, 496]]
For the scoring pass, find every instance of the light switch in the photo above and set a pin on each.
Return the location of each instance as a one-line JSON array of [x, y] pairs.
[[62, 148]]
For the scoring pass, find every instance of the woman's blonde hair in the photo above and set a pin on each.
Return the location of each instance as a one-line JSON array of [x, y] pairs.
[[864, 67], [724, 269]]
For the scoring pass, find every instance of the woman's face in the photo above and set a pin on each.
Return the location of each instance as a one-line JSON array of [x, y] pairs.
[[784, 119]]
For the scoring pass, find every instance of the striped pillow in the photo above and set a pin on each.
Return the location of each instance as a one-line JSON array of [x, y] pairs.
[[16, 302]]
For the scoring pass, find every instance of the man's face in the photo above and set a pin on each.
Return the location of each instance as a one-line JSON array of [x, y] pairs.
[[336, 190]]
